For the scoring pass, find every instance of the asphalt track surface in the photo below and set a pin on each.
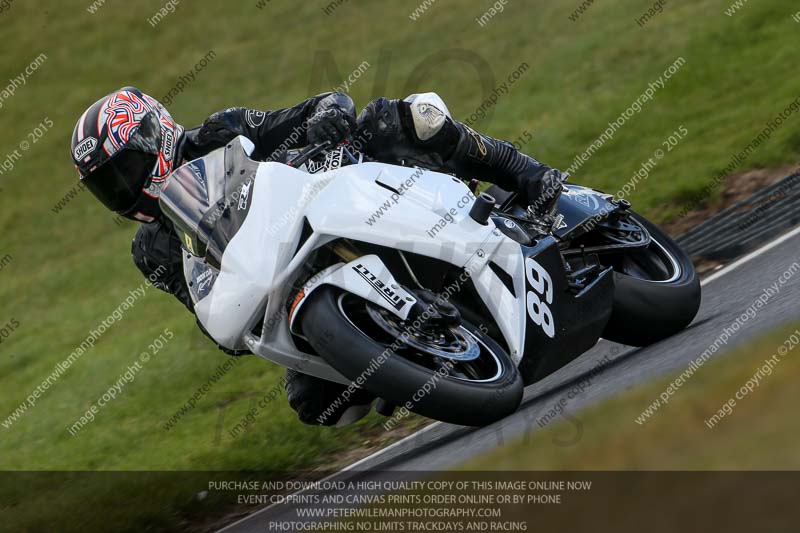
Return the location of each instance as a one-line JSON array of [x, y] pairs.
[[605, 371]]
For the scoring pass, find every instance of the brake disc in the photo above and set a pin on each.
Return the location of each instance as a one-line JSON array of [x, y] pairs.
[[454, 343]]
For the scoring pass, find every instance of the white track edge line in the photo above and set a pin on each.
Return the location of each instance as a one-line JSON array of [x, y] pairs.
[[752, 255]]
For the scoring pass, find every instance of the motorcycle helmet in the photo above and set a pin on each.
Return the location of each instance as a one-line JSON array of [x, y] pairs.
[[124, 147]]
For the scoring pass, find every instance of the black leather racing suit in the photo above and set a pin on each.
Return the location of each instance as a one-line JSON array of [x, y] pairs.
[[386, 131]]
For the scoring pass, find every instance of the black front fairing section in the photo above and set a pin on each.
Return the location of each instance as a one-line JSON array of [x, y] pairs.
[[578, 319]]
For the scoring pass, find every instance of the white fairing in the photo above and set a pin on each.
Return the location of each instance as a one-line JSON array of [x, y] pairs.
[[408, 209], [258, 252], [366, 277]]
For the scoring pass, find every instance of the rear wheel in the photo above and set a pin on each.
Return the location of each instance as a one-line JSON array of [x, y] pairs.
[[454, 373], [657, 290]]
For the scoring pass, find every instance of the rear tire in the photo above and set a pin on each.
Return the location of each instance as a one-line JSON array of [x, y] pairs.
[[648, 311], [398, 379]]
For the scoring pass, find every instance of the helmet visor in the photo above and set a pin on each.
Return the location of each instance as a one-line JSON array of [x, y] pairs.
[[118, 182]]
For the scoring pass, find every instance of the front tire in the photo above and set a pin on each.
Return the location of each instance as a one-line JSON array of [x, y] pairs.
[[649, 306], [347, 343]]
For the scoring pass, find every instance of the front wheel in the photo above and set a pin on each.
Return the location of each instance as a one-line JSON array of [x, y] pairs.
[[456, 373], [657, 290]]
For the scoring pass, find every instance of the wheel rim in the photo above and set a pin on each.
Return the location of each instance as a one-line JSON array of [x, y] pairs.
[[482, 368], [655, 263]]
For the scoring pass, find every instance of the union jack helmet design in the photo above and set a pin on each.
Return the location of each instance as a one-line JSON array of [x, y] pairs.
[[124, 147]]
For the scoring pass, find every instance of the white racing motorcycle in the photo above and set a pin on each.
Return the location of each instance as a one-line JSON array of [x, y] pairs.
[[402, 281]]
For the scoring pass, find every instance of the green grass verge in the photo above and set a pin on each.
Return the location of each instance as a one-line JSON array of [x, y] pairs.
[[757, 432]]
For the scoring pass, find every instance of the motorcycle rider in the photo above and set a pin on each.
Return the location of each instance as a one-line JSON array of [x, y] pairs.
[[126, 144]]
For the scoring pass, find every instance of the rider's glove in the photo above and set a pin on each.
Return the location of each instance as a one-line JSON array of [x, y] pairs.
[[546, 192], [332, 125], [536, 188], [221, 127]]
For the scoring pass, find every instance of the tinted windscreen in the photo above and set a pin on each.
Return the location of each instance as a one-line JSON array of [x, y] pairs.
[[185, 199], [208, 198]]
